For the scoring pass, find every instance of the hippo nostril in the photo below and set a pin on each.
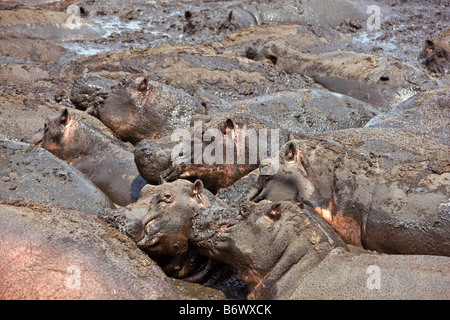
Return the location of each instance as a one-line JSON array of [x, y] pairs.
[[154, 241], [135, 229]]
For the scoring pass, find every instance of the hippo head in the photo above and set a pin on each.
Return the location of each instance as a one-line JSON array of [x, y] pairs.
[[59, 137], [436, 56], [149, 110], [188, 154], [159, 222], [294, 180], [262, 241], [307, 173]]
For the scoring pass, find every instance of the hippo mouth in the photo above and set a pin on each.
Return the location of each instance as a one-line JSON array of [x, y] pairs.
[[188, 265]]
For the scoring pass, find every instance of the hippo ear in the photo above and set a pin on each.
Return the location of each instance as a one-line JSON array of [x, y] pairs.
[[274, 213], [290, 152], [227, 125], [197, 188], [429, 45], [143, 85], [64, 117]]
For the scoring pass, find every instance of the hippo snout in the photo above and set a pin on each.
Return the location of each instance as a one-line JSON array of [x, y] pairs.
[[152, 159], [135, 229]]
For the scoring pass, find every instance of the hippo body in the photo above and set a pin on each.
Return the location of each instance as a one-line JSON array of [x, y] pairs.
[[52, 252], [436, 52], [29, 173], [380, 81], [192, 67], [293, 113], [385, 186], [90, 147], [283, 252]]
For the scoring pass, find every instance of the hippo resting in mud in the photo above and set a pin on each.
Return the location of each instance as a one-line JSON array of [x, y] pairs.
[[30, 173], [280, 115], [159, 223], [436, 53], [385, 186], [284, 252], [380, 81], [52, 252], [149, 110], [86, 144]]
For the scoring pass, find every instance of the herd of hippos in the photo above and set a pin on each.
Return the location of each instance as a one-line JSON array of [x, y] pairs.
[[362, 183]]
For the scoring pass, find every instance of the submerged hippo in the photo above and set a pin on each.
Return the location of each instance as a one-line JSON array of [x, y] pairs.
[[283, 252], [52, 252], [380, 81], [149, 110], [436, 53], [88, 146], [159, 223], [30, 173], [280, 114]]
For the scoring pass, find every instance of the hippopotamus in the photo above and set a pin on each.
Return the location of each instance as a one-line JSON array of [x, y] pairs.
[[30, 173], [384, 186], [53, 252], [390, 199], [426, 112], [380, 81], [255, 14], [188, 154], [159, 223], [284, 251], [192, 67], [436, 53], [294, 12], [149, 110], [289, 113], [90, 147]]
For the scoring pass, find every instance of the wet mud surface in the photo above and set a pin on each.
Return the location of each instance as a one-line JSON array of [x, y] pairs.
[[70, 54]]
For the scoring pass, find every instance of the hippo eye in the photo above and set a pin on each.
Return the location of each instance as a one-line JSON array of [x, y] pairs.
[[198, 198], [167, 198], [440, 54], [244, 212]]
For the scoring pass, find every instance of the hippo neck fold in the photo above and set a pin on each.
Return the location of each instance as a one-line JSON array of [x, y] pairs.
[[278, 281], [309, 245]]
